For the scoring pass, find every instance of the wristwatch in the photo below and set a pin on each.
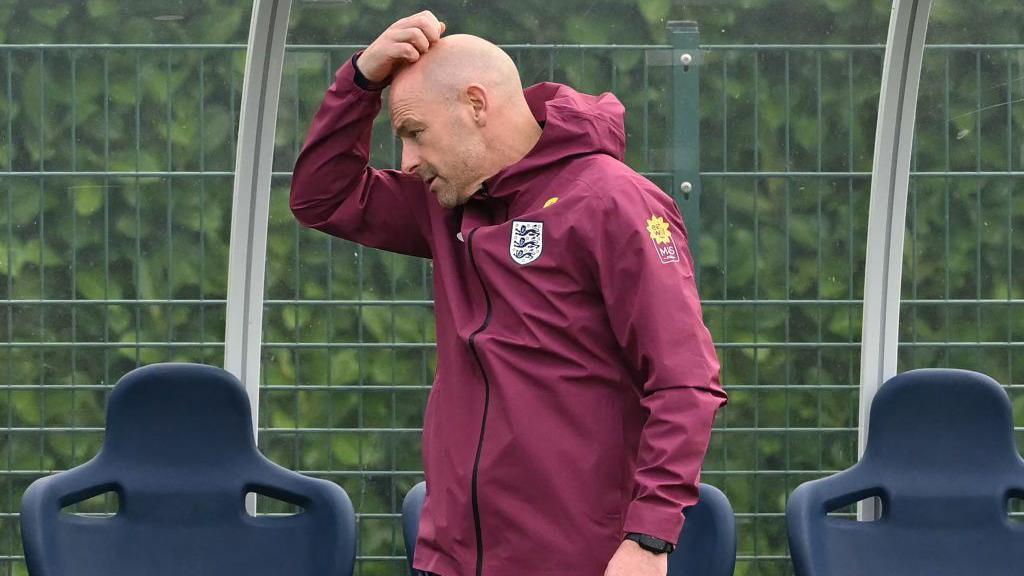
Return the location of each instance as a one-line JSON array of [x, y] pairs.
[[650, 543]]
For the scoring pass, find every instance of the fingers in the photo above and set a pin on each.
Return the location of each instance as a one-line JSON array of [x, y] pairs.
[[414, 37], [431, 27], [403, 41], [403, 51]]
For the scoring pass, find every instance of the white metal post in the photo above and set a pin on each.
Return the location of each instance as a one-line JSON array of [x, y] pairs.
[[894, 136], [250, 208], [251, 204]]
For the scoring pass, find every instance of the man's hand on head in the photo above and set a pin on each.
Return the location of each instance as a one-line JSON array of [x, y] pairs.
[[402, 43], [632, 560]]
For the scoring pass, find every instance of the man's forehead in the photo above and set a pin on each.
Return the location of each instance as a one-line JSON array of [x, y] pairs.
[[405, 112], [407, 84], [402, 97], [410, 107]]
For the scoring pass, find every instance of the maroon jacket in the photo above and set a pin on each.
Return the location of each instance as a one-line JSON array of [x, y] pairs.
[[576, 382]]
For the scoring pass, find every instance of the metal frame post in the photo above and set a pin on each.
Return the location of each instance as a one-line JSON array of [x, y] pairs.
[[684, 36], [250, 208], [890, 178]]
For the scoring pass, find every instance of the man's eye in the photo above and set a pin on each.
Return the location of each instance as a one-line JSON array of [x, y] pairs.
[[415, 134]]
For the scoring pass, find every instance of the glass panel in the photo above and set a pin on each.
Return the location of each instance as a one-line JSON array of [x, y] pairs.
[[117, 128], [117, 147], [962, 292]]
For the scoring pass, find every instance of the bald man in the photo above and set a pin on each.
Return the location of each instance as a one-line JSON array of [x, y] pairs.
[[576, 382]]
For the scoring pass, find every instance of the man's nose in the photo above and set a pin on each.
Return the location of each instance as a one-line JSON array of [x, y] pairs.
[[410, 160]]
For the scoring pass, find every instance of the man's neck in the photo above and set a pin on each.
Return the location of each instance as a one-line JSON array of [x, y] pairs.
[[530, 133]]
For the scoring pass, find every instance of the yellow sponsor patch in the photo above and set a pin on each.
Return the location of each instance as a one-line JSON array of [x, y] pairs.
[[551, 201], [657, 227]]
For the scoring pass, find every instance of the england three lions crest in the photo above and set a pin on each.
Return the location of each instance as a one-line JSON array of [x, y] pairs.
[[527, 241]]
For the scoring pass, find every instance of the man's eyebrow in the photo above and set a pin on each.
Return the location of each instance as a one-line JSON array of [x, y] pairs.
[[404, 127]]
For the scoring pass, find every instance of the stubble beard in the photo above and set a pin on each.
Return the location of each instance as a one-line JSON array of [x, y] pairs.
[[447, 195], [459, 185]]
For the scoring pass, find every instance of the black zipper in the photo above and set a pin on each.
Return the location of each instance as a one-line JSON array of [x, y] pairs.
[[487, 401]]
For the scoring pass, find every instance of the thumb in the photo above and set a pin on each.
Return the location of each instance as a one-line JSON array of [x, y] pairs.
[[441, 28]]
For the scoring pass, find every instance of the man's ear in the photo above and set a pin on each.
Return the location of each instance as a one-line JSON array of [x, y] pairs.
[[479, 100]]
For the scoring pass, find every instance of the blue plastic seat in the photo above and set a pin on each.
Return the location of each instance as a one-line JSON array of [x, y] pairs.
[[179, 454], [941, 457], [707, 545], [411, 508]]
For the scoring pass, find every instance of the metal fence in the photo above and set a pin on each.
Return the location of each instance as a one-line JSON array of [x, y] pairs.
[[115, 187]]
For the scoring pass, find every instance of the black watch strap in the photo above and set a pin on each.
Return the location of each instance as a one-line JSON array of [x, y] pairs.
[[650, 543]]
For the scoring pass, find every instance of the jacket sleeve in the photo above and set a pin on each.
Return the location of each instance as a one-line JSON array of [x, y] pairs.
[[334, 189], [646, 278]]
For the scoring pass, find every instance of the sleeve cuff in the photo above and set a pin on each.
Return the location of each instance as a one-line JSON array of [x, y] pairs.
[[653, 520], [362, 81]]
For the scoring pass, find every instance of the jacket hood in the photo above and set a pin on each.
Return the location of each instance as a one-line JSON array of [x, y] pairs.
[[574, 124]]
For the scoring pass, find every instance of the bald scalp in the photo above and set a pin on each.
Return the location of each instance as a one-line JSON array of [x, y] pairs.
[[455, 62]]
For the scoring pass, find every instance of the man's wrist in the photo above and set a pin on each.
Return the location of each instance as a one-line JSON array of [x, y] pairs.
[[364, 82], [650, 543]]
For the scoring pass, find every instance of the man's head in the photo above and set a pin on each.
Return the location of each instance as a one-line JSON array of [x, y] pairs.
[[461, 115]]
